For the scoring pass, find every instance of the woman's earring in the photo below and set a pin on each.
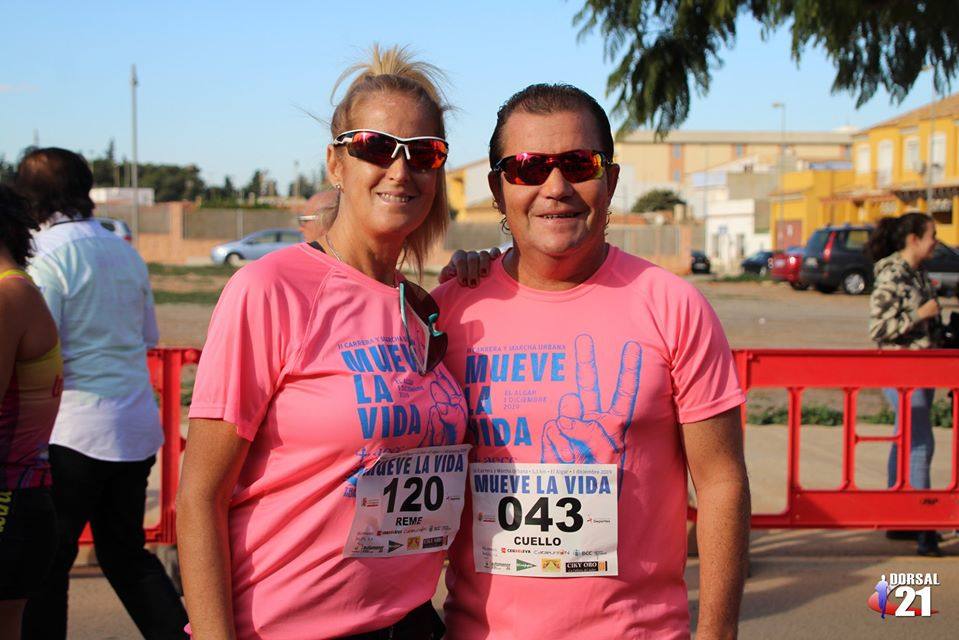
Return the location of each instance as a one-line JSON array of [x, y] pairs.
[[504, 225]]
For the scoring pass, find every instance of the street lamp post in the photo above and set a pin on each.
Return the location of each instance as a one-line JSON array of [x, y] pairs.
[[782, 168], [932, 142], [135, 181]]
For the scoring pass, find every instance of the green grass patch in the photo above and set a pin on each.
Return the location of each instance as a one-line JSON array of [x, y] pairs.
[[741, 277], [941, 415], [158, 269], [161, 296]]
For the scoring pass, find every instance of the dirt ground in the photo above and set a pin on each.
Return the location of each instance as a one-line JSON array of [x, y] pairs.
[[754, 314]]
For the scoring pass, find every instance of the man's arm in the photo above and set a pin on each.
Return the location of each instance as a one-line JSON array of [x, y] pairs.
[[714, 452]]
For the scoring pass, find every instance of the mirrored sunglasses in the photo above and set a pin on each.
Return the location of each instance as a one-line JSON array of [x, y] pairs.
[[376, 147], [530, 168], [427, 343]]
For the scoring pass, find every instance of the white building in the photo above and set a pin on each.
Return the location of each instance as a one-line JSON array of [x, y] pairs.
[[122, 195], [732, 200]]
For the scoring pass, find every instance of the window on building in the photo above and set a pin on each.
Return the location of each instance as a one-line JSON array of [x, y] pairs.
[[884, 164], [677, 175], [677, 151], [910, 154], [862, 159], [739, 151], [938, 156]]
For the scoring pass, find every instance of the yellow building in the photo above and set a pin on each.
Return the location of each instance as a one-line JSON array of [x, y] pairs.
[[647, 163], [896, 164], [805, 201]]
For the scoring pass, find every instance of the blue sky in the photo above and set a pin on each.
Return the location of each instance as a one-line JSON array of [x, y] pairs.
[[224, 85]]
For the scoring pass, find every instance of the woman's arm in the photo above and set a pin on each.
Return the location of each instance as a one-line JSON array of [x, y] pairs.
[[211, 466]]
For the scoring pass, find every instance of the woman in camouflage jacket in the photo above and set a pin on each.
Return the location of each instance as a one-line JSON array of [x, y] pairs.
[[904, 314]]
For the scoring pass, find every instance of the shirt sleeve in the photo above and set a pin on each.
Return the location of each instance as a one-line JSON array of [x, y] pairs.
[[53, 287], [244, 354], [704, 374], [151, 331]]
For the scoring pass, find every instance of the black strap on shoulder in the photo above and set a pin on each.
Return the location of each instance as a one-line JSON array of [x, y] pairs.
[[316, 245]]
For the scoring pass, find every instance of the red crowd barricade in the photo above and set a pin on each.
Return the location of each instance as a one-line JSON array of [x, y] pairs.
[[849, 506], [795, 370], [165, 367]]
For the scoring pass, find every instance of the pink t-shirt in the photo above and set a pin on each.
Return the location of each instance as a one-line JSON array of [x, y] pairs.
[[309, 359], [518, 352]]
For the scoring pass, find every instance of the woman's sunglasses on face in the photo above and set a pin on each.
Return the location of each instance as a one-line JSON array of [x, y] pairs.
[[422, 152], [529, 168]]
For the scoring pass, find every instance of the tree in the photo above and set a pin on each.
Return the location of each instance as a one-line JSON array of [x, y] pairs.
[[660, 46], [306, 187], [8, 171], [105, 168], [254, 185], [657, 200], [172, 182]]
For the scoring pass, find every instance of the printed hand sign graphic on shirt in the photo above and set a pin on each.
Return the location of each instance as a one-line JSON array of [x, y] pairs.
[[582, 433], [446, 412]]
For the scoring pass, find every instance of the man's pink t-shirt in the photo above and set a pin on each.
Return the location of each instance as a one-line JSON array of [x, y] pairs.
[[517, 352], [309, 359]]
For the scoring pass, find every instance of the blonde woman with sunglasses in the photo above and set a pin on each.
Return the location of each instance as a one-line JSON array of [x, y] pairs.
[[307, 508]]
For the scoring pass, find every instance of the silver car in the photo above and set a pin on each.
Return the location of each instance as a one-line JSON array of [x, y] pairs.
[[256, 245]]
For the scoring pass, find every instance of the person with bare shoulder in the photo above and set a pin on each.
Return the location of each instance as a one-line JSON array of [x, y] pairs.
[[31, 381]]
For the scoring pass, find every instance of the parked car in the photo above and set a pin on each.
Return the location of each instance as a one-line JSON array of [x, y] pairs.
[[699, 262], [256, 245], [786, 266], [943, 268], [836, 258], [116, 227], [759, 263]]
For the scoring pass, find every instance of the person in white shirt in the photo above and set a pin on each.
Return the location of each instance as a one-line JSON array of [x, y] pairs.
[[108, 432]]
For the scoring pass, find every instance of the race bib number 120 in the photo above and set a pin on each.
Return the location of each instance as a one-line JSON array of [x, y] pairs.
[[544, 520], [409, 502]]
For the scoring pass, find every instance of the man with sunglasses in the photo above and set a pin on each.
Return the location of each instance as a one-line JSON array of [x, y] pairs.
[[593, 381], [321, 206]]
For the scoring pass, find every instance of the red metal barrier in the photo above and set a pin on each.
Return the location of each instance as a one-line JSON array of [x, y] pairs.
[[847, 506], [165, 367]]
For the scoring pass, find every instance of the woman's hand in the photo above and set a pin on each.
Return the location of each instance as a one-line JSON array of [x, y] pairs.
[[930, 309], [467, 267]]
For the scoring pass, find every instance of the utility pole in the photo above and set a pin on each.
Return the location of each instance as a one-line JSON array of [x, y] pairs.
[[782, 173], [932, 140], [135, 183]]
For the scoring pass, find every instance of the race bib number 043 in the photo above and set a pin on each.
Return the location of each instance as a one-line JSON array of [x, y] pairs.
[[544, 520], [409, 502]]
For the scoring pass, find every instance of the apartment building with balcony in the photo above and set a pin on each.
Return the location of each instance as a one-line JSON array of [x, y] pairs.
[[907, 162]]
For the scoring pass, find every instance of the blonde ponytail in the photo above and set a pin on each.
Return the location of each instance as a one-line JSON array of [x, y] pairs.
[[394, 70]]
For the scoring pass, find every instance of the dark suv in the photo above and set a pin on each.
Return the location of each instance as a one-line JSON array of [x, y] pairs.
[[836, 257]]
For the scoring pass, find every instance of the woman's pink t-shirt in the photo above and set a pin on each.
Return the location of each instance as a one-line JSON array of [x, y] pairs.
[[518, 352], [309, 359]]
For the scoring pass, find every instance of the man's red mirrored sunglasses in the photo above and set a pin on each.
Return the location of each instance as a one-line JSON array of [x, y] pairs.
[[530, 168]]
